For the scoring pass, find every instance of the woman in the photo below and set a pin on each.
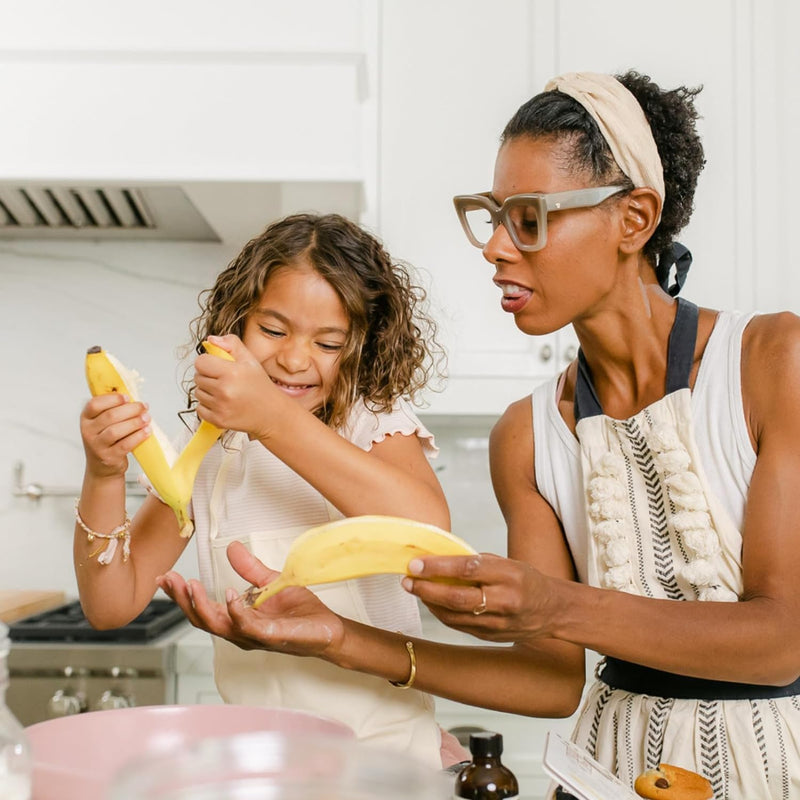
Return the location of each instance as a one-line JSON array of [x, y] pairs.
[[650, 491]]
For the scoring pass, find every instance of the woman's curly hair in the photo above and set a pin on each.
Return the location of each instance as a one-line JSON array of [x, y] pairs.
[[391, 349], [672, 117]]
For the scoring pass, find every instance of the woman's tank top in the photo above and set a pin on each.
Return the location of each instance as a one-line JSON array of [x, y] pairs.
[[720, 430]]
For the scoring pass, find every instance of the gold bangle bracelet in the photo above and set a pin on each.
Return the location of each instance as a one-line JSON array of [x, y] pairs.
[[413, 675]]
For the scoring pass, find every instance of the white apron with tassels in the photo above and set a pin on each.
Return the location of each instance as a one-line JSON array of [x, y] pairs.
[[655, 529], [382, 715]]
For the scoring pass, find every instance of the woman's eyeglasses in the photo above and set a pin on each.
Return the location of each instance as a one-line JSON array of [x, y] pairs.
[[524, 216]]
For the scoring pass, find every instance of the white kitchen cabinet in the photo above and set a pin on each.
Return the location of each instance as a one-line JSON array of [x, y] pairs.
[[129, 91], [482, 382], [193, 118], [451, 74], [181, 26], [720, 243], [439, 129], [737, 51]]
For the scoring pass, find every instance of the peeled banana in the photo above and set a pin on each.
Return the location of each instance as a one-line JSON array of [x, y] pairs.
[[355, 547], [171, 474]]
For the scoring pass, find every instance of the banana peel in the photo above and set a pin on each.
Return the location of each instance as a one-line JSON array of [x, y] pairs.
[[355, 547], [171, 474]]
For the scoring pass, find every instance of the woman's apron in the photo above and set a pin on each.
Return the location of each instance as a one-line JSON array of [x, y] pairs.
[[658, 531], [401, 721]]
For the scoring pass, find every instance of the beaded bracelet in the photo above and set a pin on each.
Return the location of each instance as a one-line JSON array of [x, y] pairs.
[[105, 553]]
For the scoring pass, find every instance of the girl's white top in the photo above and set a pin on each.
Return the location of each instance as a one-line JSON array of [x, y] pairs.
[[245, 493]]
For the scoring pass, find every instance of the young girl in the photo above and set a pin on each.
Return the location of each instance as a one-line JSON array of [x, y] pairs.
[[328, 341], [651, 490]]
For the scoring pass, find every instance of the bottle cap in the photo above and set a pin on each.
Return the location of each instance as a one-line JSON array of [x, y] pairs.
[[486, 743]]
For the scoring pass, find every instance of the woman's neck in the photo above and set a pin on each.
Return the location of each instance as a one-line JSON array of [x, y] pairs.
[[625, 347]]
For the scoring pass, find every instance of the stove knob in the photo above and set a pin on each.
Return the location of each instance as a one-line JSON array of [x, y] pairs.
[[64, 703], [111, 699], [123, 672]]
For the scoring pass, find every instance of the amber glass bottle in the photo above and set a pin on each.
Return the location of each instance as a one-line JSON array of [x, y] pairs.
[[485, 777]]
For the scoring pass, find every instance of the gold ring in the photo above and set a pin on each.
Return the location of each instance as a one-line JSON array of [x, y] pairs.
[[481, 607]]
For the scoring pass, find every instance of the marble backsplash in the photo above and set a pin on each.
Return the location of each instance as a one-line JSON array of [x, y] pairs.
[[136, 300]]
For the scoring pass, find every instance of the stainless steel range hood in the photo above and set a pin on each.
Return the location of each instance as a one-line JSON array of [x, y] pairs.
[[101, 212], [198, 211]]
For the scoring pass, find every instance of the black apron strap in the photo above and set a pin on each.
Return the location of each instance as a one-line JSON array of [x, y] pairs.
[[680, 349], [680, 357], [637, 679], [586, 402]]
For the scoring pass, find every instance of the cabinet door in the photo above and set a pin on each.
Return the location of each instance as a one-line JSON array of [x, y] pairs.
[[442, 112], [692, 44], [566, 348], [453, 72]]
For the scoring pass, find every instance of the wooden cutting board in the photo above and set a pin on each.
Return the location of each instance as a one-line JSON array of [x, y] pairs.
[[18, 604]]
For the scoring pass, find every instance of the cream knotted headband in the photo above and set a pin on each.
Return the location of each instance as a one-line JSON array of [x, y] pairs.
[[621, 121]]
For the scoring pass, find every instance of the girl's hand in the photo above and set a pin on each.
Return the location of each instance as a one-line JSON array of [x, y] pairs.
[[111, 427], [234, 395], [294, 621], [496, 599]]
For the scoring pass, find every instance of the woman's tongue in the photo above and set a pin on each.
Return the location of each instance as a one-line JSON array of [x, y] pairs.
[[514, 298]]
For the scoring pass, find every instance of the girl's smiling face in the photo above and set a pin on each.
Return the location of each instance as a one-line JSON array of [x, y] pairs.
[[298, 331]]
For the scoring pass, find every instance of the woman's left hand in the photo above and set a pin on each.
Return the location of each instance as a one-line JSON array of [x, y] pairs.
[[493, 598], [293, 621]]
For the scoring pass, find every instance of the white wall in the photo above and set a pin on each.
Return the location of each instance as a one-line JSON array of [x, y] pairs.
[[58, 300]]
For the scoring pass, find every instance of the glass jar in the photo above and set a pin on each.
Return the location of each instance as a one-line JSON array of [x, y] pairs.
[[271, 765], [16, 764]]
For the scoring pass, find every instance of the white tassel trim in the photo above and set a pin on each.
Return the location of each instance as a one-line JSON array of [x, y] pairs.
[[691, 519], [609, 514]]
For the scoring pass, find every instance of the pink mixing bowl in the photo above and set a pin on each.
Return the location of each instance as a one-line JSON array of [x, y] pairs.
[[76, 757]]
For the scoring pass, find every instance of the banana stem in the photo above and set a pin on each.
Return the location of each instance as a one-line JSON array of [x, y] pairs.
[[268, 591]]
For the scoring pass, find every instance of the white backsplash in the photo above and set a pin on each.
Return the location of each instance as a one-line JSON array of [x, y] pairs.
[[463, 470], [58, 299], [136, 300]]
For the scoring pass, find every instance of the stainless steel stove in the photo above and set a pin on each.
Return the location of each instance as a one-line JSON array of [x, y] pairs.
[[60, 665]]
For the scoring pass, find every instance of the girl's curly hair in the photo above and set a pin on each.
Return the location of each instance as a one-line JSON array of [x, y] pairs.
[[391, 350], [672, 117]]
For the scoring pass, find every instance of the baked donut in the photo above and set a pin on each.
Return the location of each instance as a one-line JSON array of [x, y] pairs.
[[672, 783]]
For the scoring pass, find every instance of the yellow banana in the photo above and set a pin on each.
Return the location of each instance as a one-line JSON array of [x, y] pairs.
[[171, 474], [355, 547]]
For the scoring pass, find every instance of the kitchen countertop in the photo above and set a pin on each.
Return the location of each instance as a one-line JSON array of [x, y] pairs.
[[194, 653], [16, 604]]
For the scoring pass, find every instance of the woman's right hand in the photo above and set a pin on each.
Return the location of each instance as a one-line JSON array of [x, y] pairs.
[[293, 621], [488, 596], [111, 427]]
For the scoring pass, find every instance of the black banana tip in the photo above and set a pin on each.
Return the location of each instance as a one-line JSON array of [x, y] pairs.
[[95, 349]]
